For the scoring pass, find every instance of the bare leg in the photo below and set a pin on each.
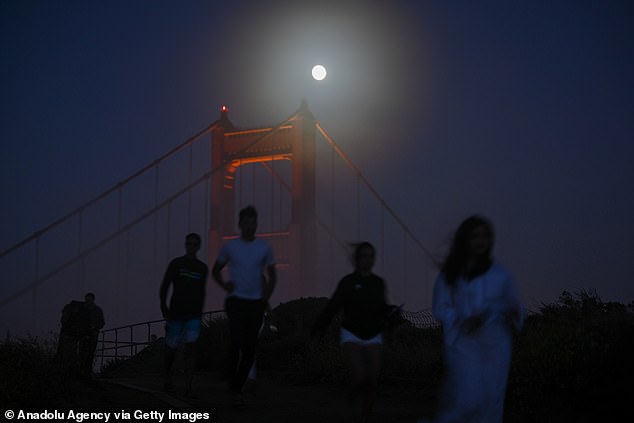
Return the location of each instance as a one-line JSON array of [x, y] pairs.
[[373, 369], [354, 355], [190, 364]]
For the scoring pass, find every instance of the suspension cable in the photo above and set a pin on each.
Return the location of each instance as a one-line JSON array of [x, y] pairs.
[[356, 170], [109, 191], [121, 228]]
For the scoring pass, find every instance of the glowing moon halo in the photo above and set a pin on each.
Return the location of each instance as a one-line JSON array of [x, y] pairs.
[[319, 72]]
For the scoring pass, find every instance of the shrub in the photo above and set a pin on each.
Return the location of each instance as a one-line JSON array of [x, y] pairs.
[[411, 355], [290, 349], [32, 376], [573, 356], [571, 361], [213, 344]]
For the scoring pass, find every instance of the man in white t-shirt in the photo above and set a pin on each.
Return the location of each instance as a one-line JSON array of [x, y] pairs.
[[248, 292]]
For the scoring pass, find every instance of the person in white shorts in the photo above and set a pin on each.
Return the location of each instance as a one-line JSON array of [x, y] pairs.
[[362, 297]]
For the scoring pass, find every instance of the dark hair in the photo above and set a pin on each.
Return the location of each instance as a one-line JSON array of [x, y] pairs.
[[360, 246], [247, 212], [90, 294], [193, 235], [456, 261]]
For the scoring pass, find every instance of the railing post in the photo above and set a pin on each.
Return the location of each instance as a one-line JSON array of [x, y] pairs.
[[132, 348], [103, 346]]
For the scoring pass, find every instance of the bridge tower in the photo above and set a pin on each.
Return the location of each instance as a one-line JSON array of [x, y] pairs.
[[295, 246]]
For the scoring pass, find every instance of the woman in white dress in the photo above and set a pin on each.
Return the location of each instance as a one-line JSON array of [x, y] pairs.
[[476, 301]]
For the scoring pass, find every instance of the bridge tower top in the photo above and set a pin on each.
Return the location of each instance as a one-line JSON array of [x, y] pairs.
[[292, 140]]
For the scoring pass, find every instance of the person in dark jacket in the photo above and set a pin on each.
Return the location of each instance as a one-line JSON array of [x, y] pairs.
[[361, 296], [88, 341], [80, 325]]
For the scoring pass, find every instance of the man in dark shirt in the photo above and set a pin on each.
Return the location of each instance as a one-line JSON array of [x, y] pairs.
[[188, 276]]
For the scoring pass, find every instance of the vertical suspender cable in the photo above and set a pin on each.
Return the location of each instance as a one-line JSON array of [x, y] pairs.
[[272, 194], [37, 277], [358, 208], [79, 249], [169, 218], [206, 214], [383, 238], [118, 253], [281, 205], [189, 191], [404, 265], [332, 214], [119, 207], [155, 234], [126, 271], [240, 201], [252, 185]]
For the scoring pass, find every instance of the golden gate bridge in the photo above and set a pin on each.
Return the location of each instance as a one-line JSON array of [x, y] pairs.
[[312, 199]]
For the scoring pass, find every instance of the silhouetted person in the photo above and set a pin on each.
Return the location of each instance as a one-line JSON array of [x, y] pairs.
[[248, 293], [476, 302], [88, 342], [81, 322], [187, 276], [75, 325], [362, 297]]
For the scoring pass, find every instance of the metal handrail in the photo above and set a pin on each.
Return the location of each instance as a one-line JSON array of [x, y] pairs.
[[128, 346]]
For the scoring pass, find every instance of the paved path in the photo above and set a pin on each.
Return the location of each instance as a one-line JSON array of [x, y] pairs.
[[274, 401]]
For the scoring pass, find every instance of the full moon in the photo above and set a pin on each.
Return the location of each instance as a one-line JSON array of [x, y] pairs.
[[319, 72]]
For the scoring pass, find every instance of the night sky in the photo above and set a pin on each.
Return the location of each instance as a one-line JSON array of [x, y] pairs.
[[521, 111]]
